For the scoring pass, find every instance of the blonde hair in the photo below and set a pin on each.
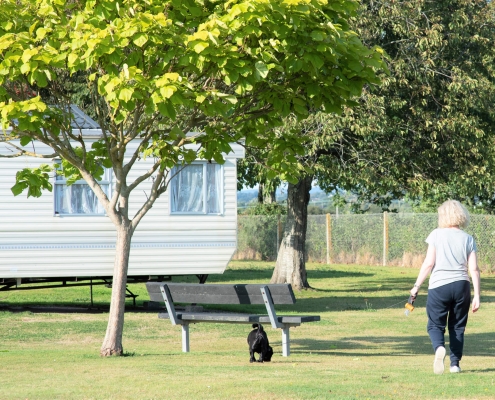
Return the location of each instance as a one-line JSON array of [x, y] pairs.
[[452, 213]]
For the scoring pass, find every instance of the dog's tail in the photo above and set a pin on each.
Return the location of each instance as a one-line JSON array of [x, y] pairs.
[[259, 326]]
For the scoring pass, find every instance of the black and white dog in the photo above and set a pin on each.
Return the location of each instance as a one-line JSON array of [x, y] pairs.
[[258, 343]]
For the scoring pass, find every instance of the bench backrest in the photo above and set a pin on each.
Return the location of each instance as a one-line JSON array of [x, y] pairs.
[[221, 293]]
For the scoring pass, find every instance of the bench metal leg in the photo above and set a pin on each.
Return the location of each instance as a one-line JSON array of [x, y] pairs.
[[285, 341], [185, 338]]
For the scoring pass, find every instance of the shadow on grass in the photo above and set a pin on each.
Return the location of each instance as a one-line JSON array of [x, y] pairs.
[[476, 344], [61, 308], [256, 274], [483, 371], [402, 284]]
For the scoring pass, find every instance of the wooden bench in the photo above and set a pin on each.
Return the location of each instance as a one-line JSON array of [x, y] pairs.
[[269, 295]]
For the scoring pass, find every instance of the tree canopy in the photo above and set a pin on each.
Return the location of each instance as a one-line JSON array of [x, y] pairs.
[[432, 120], [227, 63]]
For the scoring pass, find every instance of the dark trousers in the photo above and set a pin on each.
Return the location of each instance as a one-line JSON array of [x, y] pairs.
[[448, 305]]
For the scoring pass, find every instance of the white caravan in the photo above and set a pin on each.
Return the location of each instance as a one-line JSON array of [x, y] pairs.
[[65, 236]]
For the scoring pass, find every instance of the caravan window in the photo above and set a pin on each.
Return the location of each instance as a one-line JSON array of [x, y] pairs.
[[196, 189], [78, 198]]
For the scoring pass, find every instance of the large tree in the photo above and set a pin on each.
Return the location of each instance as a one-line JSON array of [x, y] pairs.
[[156, 70], [438, 100], [331, 153], [427, 130]]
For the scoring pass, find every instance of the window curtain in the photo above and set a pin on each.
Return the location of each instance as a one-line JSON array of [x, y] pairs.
[[197, 188], [77, 199], [214, 189], [187, 189]]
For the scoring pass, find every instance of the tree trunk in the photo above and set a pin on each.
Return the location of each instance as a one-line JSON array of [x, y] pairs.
[[260, 193], [112, 344], [266, 196], [291, 264]]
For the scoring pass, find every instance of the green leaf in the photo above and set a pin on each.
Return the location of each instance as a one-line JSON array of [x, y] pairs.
[[72, 59], [316, 60], [318, 36], [25, 140], [140, 39], [300, 109], [177, 132], [373, 62], [200, 46], [231, 99], [40, 78], [126, 94], [355, 66], [167, 109], [28, 54], [40, 33], [218, 158], [25, 68], [18, 188], [167, 91], [261, 68]]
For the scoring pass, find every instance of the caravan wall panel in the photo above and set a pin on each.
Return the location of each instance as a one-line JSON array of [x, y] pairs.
[[36, 243]]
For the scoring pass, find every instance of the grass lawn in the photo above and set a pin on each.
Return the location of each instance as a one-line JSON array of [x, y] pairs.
[[364, 347]]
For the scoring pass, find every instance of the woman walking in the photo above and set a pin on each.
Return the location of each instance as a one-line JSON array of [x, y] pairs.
[[451, 255]]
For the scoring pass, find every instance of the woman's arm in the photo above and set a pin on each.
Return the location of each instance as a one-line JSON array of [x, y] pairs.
[[425, 270], [475, 276]]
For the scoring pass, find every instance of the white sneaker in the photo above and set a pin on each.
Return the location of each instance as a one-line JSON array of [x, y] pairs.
[[455, 369], [438, 366]]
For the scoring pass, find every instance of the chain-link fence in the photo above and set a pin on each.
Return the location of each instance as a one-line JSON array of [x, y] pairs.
[[371, 239]]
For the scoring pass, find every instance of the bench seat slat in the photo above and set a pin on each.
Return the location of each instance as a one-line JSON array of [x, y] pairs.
[[241, 318], [221, 294]]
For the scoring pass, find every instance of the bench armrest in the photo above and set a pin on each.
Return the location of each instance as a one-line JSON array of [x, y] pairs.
[[167, 298], [265, 292]]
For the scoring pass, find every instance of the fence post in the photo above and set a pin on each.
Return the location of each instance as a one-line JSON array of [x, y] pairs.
[[329, 239], [385, 238], [279, 232]]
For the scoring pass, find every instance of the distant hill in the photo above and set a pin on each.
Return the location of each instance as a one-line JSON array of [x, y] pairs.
[[320, 202], [247, 196]]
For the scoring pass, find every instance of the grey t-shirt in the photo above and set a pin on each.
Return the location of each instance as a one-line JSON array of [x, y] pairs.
[[452, 248]]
